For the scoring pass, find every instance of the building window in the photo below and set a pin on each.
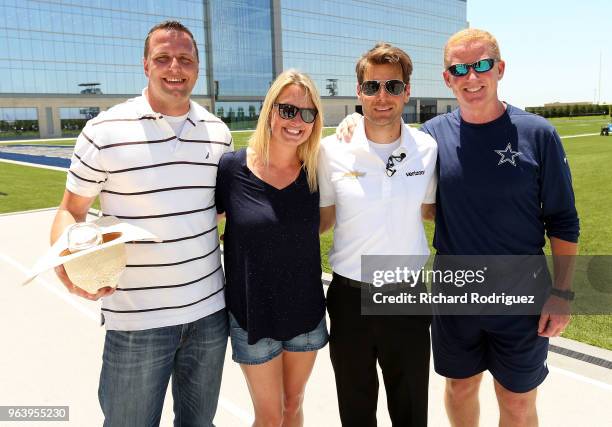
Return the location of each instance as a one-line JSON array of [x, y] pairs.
[[239, 115], [18, 123], [73, 119]]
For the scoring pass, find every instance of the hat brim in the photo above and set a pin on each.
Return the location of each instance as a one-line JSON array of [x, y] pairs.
[[115, 232]]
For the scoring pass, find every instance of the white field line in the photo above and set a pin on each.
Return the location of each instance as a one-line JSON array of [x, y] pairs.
[[34, 165], [18, 141], [61, 293], [582, 378], [29, 211], [578, 136], [226, 404]]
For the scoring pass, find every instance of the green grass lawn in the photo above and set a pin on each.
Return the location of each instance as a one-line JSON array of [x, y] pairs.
[[589, 159], [579, 125], [24, 188], [43, 142]]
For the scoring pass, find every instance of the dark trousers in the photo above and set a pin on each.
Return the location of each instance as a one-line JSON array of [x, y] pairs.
[[400, 345]]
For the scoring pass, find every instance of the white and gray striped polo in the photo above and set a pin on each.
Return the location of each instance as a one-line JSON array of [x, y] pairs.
[[147, 176]]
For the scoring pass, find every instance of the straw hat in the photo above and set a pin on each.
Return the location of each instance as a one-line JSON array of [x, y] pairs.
[[99, 265]]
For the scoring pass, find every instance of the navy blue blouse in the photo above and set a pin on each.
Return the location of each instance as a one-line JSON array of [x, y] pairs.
[[271, 252]]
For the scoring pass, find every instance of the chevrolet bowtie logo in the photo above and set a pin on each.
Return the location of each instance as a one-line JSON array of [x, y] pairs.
[[353, 174]]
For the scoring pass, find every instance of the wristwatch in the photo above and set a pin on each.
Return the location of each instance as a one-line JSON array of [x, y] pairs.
[[566, 295]]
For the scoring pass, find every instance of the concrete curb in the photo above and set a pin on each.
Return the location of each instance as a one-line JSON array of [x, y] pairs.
[[581, 351]]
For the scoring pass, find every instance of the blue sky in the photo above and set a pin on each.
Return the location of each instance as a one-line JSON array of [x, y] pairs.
[[551, 48]]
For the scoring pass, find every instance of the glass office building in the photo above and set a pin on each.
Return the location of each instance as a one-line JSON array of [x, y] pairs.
[[64, 59]]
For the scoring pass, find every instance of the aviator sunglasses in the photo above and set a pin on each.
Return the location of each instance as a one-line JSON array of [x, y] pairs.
[[482, 66], [288, 112], [393, 87]]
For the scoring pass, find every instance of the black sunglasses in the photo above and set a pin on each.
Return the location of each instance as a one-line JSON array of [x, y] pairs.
[[482, 66], [288, 112], [391, 163], [394, 87]]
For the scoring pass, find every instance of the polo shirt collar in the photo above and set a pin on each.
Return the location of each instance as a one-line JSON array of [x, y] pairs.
[[361, 140], [196, 111]]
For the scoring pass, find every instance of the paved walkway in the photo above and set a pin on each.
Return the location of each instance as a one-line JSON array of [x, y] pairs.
[[52, 348]]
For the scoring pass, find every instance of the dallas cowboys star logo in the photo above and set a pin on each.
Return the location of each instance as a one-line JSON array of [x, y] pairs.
[[508, 155]]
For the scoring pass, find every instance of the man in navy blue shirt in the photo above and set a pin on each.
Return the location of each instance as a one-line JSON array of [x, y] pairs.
[[504, 183]]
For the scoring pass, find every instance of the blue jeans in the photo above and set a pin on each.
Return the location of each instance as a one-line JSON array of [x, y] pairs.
[[137, 366]]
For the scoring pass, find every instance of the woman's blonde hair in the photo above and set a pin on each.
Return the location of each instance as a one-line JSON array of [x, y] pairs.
[[307, 152]]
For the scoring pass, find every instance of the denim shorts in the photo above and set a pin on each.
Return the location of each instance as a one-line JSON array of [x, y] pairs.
[[267, 349]]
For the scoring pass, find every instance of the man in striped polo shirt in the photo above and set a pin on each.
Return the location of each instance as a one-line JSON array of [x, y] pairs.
[[153, 162]]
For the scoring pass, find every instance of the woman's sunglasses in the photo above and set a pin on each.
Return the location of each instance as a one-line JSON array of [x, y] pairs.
[[288, 112], [394, 87], [482, 66]]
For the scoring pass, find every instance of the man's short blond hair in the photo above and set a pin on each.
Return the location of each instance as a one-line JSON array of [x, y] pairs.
[[471, 35]]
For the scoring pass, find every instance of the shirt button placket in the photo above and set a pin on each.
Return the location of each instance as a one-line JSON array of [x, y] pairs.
[[387, 184]]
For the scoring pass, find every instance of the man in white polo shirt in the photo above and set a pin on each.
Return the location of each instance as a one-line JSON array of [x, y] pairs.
[[375, 191], [153, 162]]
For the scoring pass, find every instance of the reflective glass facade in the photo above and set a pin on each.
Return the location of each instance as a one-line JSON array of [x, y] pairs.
[[51, 47], [241, 39], [325, 39], [91, 49]]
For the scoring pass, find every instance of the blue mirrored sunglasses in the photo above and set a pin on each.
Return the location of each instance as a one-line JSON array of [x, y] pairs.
[[482, 66]]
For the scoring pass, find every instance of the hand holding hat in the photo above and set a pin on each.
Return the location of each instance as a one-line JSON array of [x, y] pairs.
[[60, 271], [90, 258]]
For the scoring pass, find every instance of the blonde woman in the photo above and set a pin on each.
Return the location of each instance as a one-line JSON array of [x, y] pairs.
[[274, 294]]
